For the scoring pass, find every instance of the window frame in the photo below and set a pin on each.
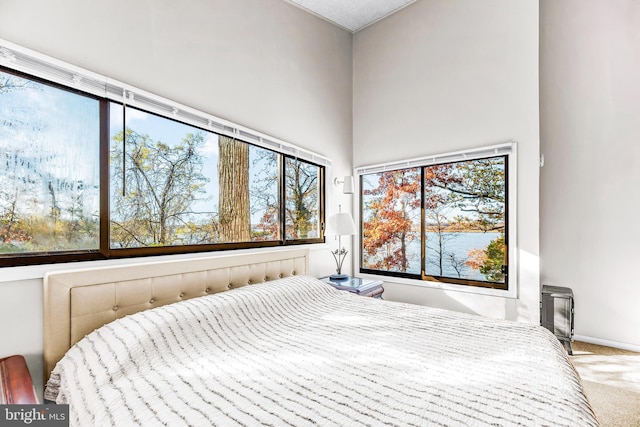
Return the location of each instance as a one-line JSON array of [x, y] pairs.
[[104, 251], [509, 289], [283, 201]]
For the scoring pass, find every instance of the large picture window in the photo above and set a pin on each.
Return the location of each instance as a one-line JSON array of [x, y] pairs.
[[445, 222], [85, 177]]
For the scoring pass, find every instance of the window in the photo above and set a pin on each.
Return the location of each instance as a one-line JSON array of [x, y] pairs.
[[302, 200], [391, 221], [88, 177], [160, 193], [49, 168], [444, 221], [173, 184]]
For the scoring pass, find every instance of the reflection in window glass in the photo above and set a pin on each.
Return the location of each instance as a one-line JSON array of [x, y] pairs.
[[49, 168], [391, 221], [465, 220], [302, 200]]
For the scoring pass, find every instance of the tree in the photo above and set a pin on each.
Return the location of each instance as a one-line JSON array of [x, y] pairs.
[[234, 203], [490, 260], [267, 228], [9, 83], [458, 197], [475, 189], [301, 197], [437, 205], [41, 203], [12, 225], [154, 187], [458, 265], [13, 228], [264, 195], [392, 207], [438, 225], [301, 204]]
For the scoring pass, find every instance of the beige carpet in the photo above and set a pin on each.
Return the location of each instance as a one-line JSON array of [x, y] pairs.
[[611, 379]]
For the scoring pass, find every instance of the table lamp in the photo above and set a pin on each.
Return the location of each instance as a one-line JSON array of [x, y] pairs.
[[340, 224]]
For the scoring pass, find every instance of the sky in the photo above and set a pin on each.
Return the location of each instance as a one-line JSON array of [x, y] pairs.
[[172, 133], [56, 135]]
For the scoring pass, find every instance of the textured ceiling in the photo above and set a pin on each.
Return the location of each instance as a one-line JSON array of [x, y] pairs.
[[352, 15]]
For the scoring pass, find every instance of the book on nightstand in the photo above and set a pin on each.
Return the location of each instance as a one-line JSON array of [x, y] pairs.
[[353, 284]]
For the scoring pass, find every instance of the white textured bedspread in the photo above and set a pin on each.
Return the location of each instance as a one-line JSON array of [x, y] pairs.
[[297, 352]]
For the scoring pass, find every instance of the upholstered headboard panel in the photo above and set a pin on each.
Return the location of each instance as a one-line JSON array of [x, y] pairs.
[[79, 301]]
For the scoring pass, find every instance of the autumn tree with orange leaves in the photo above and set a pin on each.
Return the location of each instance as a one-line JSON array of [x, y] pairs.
[[394, 207]]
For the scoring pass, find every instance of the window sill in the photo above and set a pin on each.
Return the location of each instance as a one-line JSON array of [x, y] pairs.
[[449, 287], [38, 271]]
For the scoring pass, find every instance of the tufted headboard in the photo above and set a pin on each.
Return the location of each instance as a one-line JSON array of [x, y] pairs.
[[78, 301]]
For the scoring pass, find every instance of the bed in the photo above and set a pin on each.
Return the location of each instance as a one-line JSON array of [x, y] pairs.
[[253, 340]]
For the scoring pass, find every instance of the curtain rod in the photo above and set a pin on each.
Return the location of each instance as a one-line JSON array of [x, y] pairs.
[[486, 151], [31, 62]]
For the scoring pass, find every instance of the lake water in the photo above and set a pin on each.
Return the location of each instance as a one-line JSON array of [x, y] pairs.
[[456, 244]]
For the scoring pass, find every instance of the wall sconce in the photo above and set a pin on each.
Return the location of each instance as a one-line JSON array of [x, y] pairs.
[[347, 184]]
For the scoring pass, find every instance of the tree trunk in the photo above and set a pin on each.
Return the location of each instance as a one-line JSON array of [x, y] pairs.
[[233, 174]]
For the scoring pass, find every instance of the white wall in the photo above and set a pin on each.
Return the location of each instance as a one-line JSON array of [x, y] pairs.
[[444, 75], [590, 136], [263, 64]]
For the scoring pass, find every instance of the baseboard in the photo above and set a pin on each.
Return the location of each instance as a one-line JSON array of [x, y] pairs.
[[607, 343]]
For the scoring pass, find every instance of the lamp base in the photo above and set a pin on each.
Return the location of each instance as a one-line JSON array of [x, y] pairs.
[[338, 277]]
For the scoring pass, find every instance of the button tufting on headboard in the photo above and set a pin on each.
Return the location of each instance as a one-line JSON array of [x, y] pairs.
[[78, 301]]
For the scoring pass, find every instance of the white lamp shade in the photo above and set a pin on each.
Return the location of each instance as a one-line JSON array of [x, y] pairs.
[[340, 224]]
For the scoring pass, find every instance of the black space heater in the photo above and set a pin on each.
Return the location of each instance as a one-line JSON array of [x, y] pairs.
[[556, 313]]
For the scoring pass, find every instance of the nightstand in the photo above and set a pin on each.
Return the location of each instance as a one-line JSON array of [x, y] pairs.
[[358, 286]]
